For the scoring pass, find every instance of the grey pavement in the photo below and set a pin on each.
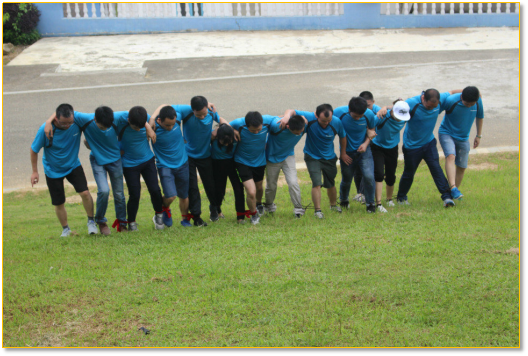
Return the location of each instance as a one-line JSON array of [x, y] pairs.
[[269, 83]]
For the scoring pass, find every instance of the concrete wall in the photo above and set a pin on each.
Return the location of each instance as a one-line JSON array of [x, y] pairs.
[[356, 16]]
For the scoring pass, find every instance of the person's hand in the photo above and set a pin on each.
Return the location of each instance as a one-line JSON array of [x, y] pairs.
[[346, 159], [48, 130], [34, 178], [382, 112], [476, 143], [211, 107], [363, 147], [151, 135], [371, 134], [87, 145], [237, 135]]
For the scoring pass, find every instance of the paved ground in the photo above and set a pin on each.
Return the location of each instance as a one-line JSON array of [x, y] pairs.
[[265, 71]]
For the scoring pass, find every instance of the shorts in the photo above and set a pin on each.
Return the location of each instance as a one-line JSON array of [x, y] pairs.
[[321, 168], [56, 185], [175, 181], [246, 172], [460, 149]]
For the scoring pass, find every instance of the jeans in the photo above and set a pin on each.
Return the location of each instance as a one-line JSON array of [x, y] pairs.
[[365, 163], [115, 172], [290, 173], [175, 181], [429, 153]]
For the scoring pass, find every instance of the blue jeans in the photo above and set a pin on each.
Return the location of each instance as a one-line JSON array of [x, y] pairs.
[[365, 163], [429, 153], [175, 181], [115, 171]]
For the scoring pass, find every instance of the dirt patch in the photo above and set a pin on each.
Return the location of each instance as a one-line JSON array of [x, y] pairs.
[[513, 251], [483, 166], [18, 49], [399, 215]]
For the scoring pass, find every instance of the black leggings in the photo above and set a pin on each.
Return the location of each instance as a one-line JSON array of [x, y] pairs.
[[385, 163], [150, 175], [223, 168], [205, 168]]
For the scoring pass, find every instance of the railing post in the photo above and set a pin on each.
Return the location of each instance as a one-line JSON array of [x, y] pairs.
[[452, 8], [424, 10], [257, 12], [488, 10]]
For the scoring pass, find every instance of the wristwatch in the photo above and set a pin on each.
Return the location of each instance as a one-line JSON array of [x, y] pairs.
[[479, 136]]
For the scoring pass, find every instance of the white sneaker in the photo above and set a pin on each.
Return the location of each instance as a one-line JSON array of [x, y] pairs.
[[133, 226], [336, 208], [390, 203], [403, 202], [381, 209], [358, 197], [255, 219], [66, 232], [158, 221], [319, 214], [92, 228]]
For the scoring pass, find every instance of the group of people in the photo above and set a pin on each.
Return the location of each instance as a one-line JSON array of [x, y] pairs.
[[184, 142]]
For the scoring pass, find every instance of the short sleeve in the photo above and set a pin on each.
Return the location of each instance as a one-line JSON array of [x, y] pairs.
[[81, 118], [480, 109], [215, 116], [275, 126], [372, 120], [307, 114], [443, 100], [39, 141], [338, 126], [375, 108], [235, 124]]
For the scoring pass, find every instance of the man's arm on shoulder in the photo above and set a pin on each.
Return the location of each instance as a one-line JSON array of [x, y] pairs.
[[152, 121]]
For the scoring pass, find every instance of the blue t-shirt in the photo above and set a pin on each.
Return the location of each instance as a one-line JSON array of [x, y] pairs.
[[280, 142], [375, 108], [103, 143], [169, 147], [419, 129], [221, 152], [251, 147], [356, 130], [134, 143], [389, 135], [320, 142], [63, 155], [197, 133], [458, 123]]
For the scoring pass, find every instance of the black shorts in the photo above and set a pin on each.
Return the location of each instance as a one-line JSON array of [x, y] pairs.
[[246, 172], [56, 185]]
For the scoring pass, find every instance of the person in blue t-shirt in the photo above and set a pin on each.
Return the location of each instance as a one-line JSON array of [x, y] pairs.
[[250, 158], [171, 161], [461, 111], [281, 156], [61, 160], [101, 138], [419, 143], [359, 123], [223, 147], [197, 122], [319, 153]]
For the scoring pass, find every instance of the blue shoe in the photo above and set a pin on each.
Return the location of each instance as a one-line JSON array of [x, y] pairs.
[[167, 217], [448, 203], [455, 193], [186, 223]]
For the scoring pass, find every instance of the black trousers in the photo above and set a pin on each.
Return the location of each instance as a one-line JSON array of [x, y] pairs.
[[205, 168], [385, 163], [150, 175], [224, 168]]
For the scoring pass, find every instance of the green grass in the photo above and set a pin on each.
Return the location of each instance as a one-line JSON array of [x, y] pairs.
[[419, 276]]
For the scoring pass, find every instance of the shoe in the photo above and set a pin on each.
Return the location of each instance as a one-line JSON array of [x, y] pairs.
[[319, 214], [298, 216], [92, 227], [122, 227], [357, 197], [455, 193], [390, 203], [104, 229], [132, 226], [448, 203], [186, 223], [255, 219], [371, 208], [158, 221], [336, 208], [221, 216], [241, 221], [344, 204], [260, 209], [381, 209], [213, 214], [66, 232], [403, 202], [167, 216], [199, 222]]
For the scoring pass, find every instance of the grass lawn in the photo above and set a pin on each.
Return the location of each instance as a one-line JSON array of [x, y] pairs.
[[418, 276]]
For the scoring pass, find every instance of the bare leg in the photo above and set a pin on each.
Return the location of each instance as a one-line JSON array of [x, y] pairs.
[[316, 197], [260, 190], [184, 206], [87, 202], [61, 214], [332, 195], [450, 170], [251, 191], [459, 176], [390, 191], [379, 189], [168, 201]]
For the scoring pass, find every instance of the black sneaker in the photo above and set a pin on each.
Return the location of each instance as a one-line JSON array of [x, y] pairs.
[[214, 213], [199, 222], [344, 204], [371, 208]]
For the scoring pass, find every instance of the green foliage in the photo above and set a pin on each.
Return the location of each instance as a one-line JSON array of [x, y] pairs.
[[20, 22]]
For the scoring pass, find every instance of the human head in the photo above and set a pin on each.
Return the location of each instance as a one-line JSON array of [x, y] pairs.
[[470, 95], [296, 124], [369, 98], [357, 107], [104, 117], [167, 118], [225, 136], [137, 117], [430, 99], [64, 116], [199, 106], [324, 114], [254, 121]]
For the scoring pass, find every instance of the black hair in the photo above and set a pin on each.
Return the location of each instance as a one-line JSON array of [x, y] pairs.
[[253, 119], [395, 101], [431, 94], [167, 112], [357, 105], [470, 94], [366, 95], [198, 103], [225, 133], [325, 109], [296, 123], [64, 110], [104, 116], [137, 116]]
